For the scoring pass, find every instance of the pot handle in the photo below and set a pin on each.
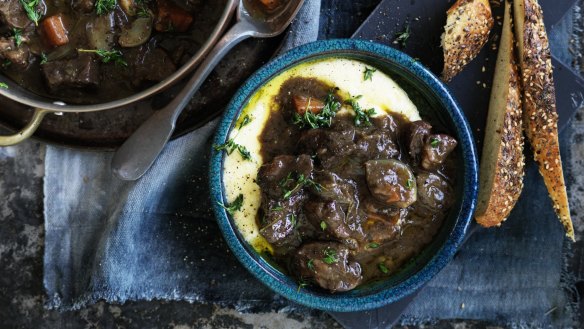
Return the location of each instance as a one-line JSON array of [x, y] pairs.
[[27, 131]]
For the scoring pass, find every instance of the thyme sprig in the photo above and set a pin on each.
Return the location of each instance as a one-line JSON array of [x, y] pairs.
[[31, 8], [294, 181], [402, 37], [330, 256], [103, 7], [361, 115], [17, 33], [107, 56], [368, 74], [234, 206], [231, 146]]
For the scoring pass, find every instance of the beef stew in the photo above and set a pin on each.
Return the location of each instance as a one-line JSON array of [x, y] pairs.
[[348, 197], [94, 51]]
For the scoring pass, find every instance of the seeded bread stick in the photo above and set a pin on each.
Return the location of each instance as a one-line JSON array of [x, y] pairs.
[[502, 161], [539, 104], [468, 24]]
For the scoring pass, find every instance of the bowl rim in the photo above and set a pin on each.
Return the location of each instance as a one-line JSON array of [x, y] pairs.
[[437, 262]]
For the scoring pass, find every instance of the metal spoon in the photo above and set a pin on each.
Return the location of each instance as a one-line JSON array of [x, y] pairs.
[[141, 149]]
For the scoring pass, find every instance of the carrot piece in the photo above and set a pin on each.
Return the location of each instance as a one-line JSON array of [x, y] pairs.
[[270, 4], [55, 31], [172, 17], [303, 103]]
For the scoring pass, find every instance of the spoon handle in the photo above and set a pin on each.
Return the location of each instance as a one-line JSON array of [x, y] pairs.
[[141, 149]]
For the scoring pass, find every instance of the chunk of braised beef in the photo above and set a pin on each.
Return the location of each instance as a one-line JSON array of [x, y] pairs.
[[83, 6], [434, 192], [391, 182], [189, 5], [17, 55], [382, 223], [344, 194], [80, 72], [436, 149], [388, 123], [13, 15], [335, 188], [152, 65], [345, 127], [376, 145], [416, 135], [328, 216], [280, 218], [328, 146], [329, 265], [281, 175], [279, 230], [334, 220]]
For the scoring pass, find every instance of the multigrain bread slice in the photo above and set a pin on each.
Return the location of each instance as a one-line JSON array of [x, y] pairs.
[[502, 161], [539, 103], [468, 24]]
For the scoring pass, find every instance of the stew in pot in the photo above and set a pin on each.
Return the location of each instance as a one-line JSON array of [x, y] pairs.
[[90, 51]]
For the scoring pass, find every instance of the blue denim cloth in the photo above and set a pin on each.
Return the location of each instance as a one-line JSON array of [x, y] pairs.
[[151, 239], [156, 238]]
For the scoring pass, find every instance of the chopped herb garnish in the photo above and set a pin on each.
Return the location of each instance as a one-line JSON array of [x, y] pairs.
[[245, 121], [278, 208], [103, 7], [233, 206], [294, 182], [44, 59], [323, 225], [107, 56], [6, 64], [144, 12], [32, 10], [170, 27], [403, 36], [302, 284], [324, 118], [383, 268], [368, 74], [3, 85], [243, 152], [361, 116], [310, 264], [231, 146], [330, 256], [409, 184], [434, 142], [293, 220], [17, 36], [373, 245]]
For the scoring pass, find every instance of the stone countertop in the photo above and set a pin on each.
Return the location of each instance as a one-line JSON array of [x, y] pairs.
[[22, 237]]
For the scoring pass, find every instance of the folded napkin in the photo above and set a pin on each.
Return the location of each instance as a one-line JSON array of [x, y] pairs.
[[157, 239]]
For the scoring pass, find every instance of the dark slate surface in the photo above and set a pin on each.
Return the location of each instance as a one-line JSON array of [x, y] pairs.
[[472, 86], [21, 238]]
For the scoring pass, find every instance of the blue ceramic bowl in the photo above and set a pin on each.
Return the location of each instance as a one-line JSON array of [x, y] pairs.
[[435, 104]]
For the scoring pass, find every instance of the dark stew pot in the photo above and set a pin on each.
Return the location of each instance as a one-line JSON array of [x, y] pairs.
[[62, 40]]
